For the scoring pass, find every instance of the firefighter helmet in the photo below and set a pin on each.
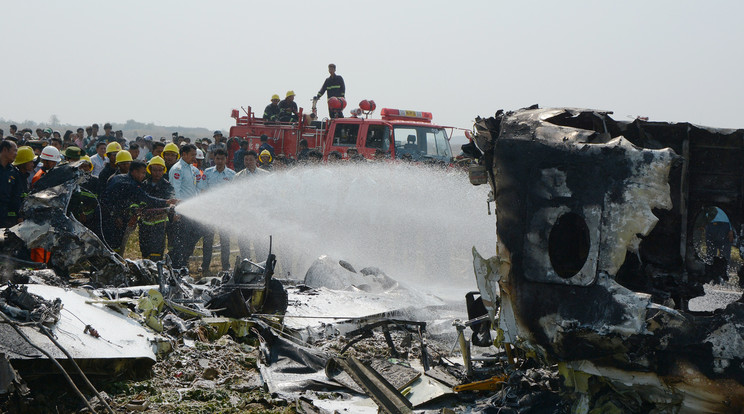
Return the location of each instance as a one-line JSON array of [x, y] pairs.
[[275, 97], [156, 160], [25, 154], [123, 156], [87, 159], [172, 147], [113, 147], [290, 93], [266, 153]]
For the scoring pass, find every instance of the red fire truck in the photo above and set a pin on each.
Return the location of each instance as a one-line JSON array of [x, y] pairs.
[[397, 133]]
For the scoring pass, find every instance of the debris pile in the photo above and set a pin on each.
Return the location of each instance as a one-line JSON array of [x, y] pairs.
[[534, 390], [218, 376]]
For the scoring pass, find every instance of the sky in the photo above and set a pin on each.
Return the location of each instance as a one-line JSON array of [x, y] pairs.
[[188, 63]]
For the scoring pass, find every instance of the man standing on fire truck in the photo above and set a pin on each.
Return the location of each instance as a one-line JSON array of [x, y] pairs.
[[334, 84]]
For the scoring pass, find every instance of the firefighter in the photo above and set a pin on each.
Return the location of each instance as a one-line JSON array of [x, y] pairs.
[[265, 160], [109, 168], [271, 113], [25, 162], [185, 232], [152, 224], [85, 206], [10, 186], [170, 155], [335, 87], [217, 176], [49, 159], [124, 192], [288, 108], [123, 161]]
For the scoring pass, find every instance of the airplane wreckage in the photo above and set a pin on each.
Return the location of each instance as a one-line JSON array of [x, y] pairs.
[[606, 230]]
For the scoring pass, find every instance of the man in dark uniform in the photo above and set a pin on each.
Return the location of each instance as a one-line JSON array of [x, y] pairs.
[[25, 163], [10, 186], [239, 154], [152, 222], [271, 113], [122, 192], [84, 204], [110, 168], [288, 108], [266, 146], [335, 87]]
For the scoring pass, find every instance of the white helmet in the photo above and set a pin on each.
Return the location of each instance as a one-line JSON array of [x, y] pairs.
[[199, 154], [50, 153]]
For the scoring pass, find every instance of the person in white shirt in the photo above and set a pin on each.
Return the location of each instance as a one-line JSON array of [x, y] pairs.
[[99, 159], [217, 176], [250, 172]]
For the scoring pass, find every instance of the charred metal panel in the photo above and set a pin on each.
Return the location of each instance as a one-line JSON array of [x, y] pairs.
[[599, 249], [47, 225]]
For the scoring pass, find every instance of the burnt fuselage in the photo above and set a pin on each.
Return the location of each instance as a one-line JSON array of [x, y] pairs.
[[606, 230]]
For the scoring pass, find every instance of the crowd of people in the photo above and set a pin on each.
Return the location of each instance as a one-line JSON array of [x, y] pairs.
[[130, 184]]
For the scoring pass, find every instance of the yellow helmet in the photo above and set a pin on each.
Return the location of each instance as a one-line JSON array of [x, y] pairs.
[[275, 97], [88, 160], [156, 160], [266, 153], [25, 154], [113, 147], [172, 147], [290, 93], [123, 156]]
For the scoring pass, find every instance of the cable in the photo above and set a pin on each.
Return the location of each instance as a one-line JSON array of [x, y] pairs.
[[54, 361], [46, 332]]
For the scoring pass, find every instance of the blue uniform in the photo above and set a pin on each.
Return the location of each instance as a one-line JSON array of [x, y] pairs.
[[184, 179], [217, 178], [187, 183]]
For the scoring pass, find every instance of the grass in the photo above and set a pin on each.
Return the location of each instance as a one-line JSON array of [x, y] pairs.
[[132, 251]]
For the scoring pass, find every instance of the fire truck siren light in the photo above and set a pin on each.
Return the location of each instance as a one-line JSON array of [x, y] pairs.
[[367, 105], [403, 114]]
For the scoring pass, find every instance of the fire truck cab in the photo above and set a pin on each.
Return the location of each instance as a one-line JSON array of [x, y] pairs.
[[399, 133]]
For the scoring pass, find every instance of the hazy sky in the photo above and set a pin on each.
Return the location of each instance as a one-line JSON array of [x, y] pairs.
[[189, 62]]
